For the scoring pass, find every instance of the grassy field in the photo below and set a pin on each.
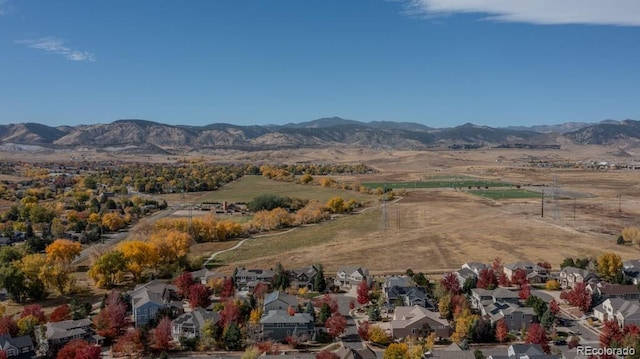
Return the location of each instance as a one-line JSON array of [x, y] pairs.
[[439, 183], [506, 194], [249, 187], [305, 238]]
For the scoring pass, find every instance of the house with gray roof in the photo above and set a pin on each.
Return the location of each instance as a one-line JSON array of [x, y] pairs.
[[349, 276], [279, 301], [534, 272], [204, 275], [189, 325], [278, 324], [352, 353], [625, 312], [303, 277], [482, 297], [476, 267], [570, 276], [524, 351], [147, 300], [604, 290], [631, 271], [415, 320], [465, 274], [18, 347], [56, 334], [248, 279], [403, 287]]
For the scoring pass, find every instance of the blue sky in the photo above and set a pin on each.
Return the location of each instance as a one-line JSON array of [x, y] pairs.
[[437, 62]]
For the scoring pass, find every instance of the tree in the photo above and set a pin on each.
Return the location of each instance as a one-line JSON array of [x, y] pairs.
[[232, 337], [579, 296], [487, 279], [63, 250], [567, 262], [13, 280], [162, 335], [230, 313], [131, 344], [610, 335], [552, 284], [537, 335], [280, 277], [184, 282], [374, 313], [525, 291], [319, 283], [27, 324], [363, 330], [539, 306], [199, 296], [378, 335], [79, 349], [113, 221], [396, 351], [547, 319], [112, 319], [8, 326], [519, 277], [483, 331], [61, 313], [609, 267], [554, 307], [108, 269], [139, 256], [336, 325], [464, 324], [325, 354], [34, 310], [363, 293], [502, 331], [451, 283], [228, 288]]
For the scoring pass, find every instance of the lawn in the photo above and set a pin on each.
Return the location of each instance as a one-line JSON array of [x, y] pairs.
[[438, 183], [249, 187], [305, 237], [506, 194]]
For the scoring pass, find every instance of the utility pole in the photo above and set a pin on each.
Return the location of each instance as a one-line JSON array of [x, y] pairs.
[[542, 203], [619, 203]]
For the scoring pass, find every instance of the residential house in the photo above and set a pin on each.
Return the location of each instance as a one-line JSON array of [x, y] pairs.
[[623, 311], [483, 297], [514, 316], [604, 290], [402, 287], [414, 320], [204, 275], [189, 325], [570, 276], [453, 351], [279, 301], [18, 347], [464, 275], [57, 334], [535, 273], [351, 353], [248, 279], [303, 277], [278, 324], [349, 276], [524, 351], [147, 300], [475, 267]]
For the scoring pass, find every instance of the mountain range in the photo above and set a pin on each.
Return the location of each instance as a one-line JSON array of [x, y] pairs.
[[152, 137]]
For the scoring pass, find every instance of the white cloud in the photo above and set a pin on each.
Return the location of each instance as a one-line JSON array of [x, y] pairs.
[[56, 46], [544, 12]]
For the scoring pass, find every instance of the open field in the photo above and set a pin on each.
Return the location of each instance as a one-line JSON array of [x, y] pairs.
[[249, 187], [438, 229], [505, 194], [451, 182]]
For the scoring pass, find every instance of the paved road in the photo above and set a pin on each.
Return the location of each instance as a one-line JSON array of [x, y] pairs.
[[350, 338]]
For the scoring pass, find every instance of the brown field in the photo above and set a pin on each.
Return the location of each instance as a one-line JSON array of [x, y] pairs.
[[434, 230]]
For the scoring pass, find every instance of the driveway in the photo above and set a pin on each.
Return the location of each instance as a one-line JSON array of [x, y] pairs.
[[350, 338]]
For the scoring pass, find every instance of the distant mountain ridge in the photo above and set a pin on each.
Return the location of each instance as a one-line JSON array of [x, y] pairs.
[[148, 136]]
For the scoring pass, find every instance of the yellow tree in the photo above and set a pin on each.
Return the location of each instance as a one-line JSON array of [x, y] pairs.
[[113, 221], [378, 335], [610, 267], [170, 246], [464, 324], [139, 256], [57, 275], [631, 234], [255, 315], [108, 269], [336, 205], [416, 350], [63, 250], [396, 351]]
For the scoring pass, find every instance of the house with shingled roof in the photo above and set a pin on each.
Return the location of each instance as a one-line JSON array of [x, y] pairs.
[[278, 324]]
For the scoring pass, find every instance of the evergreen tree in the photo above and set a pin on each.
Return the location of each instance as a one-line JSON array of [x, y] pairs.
[[374, 313], [319, 284], [310, 310], [280, 278], [325, 313], [232, 337]]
